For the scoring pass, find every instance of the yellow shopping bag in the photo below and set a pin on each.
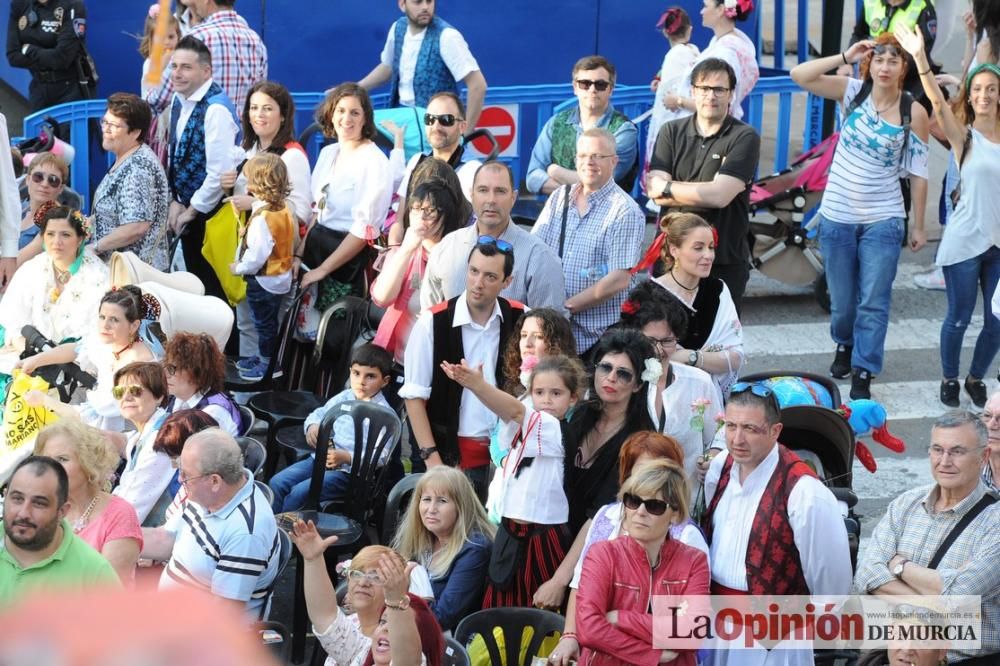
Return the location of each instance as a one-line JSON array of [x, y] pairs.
[[219, 250], [22, 422]]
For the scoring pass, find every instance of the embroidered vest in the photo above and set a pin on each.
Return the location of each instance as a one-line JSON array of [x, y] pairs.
[[564, 137], [187, 154], [773, 564], [283, 229], [446, 395], [431, 75], [879, 21], [219, 400]]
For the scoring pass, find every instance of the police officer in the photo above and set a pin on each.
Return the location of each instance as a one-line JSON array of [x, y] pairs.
[[47, 38]]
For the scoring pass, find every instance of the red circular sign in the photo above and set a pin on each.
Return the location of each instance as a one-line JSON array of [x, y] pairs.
[[499, 121]]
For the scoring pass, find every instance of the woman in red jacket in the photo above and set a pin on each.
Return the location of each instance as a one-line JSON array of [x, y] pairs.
[[614, 603]]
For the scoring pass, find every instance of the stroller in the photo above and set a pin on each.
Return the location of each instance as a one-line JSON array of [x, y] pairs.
[[784, 248]]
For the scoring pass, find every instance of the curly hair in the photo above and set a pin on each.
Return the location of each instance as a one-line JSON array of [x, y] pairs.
[[885, 39], [324, 112], [198, 354], [556, 332], [178, 427], [267, 178], [677, 226], [95, 456]]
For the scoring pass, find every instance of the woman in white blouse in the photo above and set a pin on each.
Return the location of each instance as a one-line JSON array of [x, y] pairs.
[[351, 190]]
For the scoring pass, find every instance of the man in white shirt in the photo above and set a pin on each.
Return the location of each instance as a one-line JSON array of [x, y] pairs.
[[773, 528], [474, 326], [204, 129], [423, 55]]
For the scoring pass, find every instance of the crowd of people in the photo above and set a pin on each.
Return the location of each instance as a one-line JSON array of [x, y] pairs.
[[582, 430]]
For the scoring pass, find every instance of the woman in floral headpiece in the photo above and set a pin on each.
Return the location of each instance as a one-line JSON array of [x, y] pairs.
[[58, 291]]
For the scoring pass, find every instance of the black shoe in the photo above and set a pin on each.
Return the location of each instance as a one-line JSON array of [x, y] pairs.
[[861, 382], [841, 366], [976, 389], [949, 392]]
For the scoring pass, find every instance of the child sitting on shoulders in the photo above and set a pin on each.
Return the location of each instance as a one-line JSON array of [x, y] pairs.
[[371, 371]]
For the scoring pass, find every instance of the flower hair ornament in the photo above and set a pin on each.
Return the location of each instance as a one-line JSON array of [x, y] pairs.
[[630, 307], [42, 210], [84, 223], [151, 309], [669, 20], [154, 10], [653, 370], [734, 7], [528, 364]]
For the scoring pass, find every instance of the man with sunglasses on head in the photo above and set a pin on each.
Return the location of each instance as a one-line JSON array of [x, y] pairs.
[[449, 424], [772, 527], [553, 159], [444, 124], [537, 278], [424, 55], [705, 164]]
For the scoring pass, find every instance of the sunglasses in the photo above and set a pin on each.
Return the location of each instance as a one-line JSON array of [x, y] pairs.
[[133, 390], [501, 245], [758, 390], [38, 177], [881, 49], [445, 119], [600, 85], [654, 507], [623, 375]]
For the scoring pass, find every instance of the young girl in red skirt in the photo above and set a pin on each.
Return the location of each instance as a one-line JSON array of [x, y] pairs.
[[532, 538]]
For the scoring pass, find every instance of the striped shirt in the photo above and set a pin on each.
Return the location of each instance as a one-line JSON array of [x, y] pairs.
[[913, 529], [862, 187], [607, 237], [232, 552]]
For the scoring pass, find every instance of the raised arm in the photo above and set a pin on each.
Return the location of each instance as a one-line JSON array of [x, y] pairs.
[[813, 77], [504, 405], [321, 597]]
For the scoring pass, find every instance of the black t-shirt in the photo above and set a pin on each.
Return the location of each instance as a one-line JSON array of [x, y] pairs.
[[691, 158]]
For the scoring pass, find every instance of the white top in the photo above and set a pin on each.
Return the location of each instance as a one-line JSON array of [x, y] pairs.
[[480, 344], [974, 225], [260, 242], [353, 194], [147, 473], [218, 413], [454, 52], [297, 165], [96, 357], [220, 139], [466, 172], [674, 79], [813, 514], [10, 200], [344, 642], [534, 495], [691, 406]]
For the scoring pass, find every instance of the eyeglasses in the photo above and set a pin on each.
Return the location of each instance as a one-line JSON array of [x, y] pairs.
[[881, 49], [715, 91], [989, 417], [593, 157], [426, 212], [662, 342], [186, 481], [54, 181], [170, 369], [107, 124], [444, 119], [623, 375], [956, 453], [501, 245], [367, 576], [133, 390], [654, 507], [600, 85]]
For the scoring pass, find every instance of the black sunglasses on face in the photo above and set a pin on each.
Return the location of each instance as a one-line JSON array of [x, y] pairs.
[[654, 507], [445, 119], [600, 85], [54, 180]]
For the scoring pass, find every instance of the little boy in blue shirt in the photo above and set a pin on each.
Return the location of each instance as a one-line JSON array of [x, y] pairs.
[[371, 368]]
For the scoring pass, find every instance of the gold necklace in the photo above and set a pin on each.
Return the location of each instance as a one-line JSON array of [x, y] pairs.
[[84, 518]]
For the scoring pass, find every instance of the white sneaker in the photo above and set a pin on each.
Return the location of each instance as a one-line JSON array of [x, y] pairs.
[[932, 279]]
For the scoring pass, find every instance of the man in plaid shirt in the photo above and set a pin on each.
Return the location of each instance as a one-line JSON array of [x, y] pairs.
[[905, 541], [239, 57]]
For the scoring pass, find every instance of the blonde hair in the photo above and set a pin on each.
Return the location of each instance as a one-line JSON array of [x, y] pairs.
[[57, 162], [677, 226], [368, 557], [663, 476], [413, 539], [146, 42], [267, 178], [96, 458]]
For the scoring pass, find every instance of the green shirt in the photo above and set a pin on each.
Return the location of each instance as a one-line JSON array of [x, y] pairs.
[[74, 565]]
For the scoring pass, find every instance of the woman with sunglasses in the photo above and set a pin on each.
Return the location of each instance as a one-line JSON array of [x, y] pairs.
[[141, 390], [196, 378], [45, 182], [970, 246], [613, 618], [862, 216]]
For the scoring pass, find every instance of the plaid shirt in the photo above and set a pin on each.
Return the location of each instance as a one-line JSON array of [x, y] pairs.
[[239, 59], [607, 237], [913, 529]]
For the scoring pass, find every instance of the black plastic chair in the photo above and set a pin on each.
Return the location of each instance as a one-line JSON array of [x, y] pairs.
[[280, 360], [274, 635], [397, 504], [254, 455], [247, 420], [266, 491], [454, 653], [363, 488], [513, 622]]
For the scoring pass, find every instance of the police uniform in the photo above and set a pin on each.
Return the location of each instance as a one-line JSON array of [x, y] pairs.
[[46, 37]]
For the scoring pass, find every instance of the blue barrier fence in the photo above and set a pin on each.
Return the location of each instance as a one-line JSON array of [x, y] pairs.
[[536, 104]]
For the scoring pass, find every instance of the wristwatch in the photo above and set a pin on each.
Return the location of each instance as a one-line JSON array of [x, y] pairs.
[[667, 189], [427, 453], [693, 359], [897, 570]]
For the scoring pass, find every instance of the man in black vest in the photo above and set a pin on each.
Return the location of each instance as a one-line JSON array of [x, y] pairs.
[[449, 424]]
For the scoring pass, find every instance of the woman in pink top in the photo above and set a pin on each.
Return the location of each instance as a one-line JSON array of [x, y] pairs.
[[106, 522]]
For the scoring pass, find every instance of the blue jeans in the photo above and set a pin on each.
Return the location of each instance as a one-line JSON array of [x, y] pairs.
[[962, 283], [291, 486], [860, 262], [265, 308]]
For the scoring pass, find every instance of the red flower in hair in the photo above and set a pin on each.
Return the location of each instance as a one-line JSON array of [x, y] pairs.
[[630, 307], [715, 236]]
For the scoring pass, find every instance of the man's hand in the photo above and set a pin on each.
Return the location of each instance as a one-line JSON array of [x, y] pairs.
[[227, 179], [656, 182], [7, 267], [704, 462], [240, 201]]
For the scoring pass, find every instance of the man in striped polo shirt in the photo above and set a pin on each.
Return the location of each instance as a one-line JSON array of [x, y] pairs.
[[225, 541]]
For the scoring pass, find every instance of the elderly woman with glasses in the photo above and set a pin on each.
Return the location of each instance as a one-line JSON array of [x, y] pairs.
[[991, 463], [196, 374]]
